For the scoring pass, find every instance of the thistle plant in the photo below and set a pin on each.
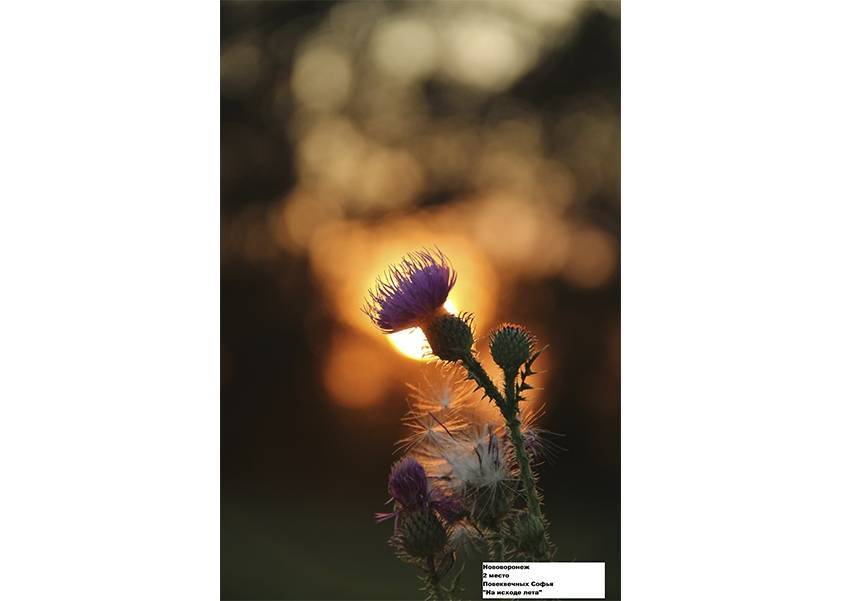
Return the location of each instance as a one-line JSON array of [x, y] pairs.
[[467, 478], [424, 518]]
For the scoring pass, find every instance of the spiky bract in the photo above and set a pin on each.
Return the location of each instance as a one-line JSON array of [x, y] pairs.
[[451, 337], [421, 533]]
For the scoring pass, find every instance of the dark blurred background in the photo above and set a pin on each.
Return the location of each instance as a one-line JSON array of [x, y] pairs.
[[354, 132]]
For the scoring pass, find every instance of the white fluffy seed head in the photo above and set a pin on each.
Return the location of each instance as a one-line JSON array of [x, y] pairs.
[[430, 432], [476, 463], [441, 387]]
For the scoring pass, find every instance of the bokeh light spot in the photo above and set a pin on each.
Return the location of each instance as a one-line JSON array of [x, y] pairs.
[[355, 376], [321, 78], [405, 48]]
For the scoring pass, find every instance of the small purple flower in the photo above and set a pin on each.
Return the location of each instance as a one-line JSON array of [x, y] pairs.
[[410, 491], [408, 487], [411, 292], [408, 484]]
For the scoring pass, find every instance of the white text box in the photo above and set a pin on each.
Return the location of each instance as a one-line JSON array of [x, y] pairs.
[[543, 580]]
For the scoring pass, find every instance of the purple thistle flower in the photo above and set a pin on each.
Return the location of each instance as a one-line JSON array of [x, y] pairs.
[[411, 491], [408, 484], [411, 292], [408, 487]]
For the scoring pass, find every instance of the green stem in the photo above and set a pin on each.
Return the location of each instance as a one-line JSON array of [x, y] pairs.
[[510, 378], [511, 413], [477, 371]]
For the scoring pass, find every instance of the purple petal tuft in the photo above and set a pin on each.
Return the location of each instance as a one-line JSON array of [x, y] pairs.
[[411, 291], [408, 484]]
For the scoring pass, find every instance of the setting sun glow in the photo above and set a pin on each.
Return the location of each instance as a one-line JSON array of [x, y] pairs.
[[412, 342]]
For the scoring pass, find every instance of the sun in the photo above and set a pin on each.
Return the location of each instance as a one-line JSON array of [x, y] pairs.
[[412, 343]]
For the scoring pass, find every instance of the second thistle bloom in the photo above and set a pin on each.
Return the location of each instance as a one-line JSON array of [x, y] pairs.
[[408, 484], [412, 292], [411, 491]]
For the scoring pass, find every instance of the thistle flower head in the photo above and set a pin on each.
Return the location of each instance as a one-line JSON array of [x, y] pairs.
[[411, 292], [411, 492], [408, 484], [511, 346]]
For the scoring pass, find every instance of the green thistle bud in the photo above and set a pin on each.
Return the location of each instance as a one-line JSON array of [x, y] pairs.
[[511, 346], [450, 337], [527, 535], [421, 534], [529, 531]]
